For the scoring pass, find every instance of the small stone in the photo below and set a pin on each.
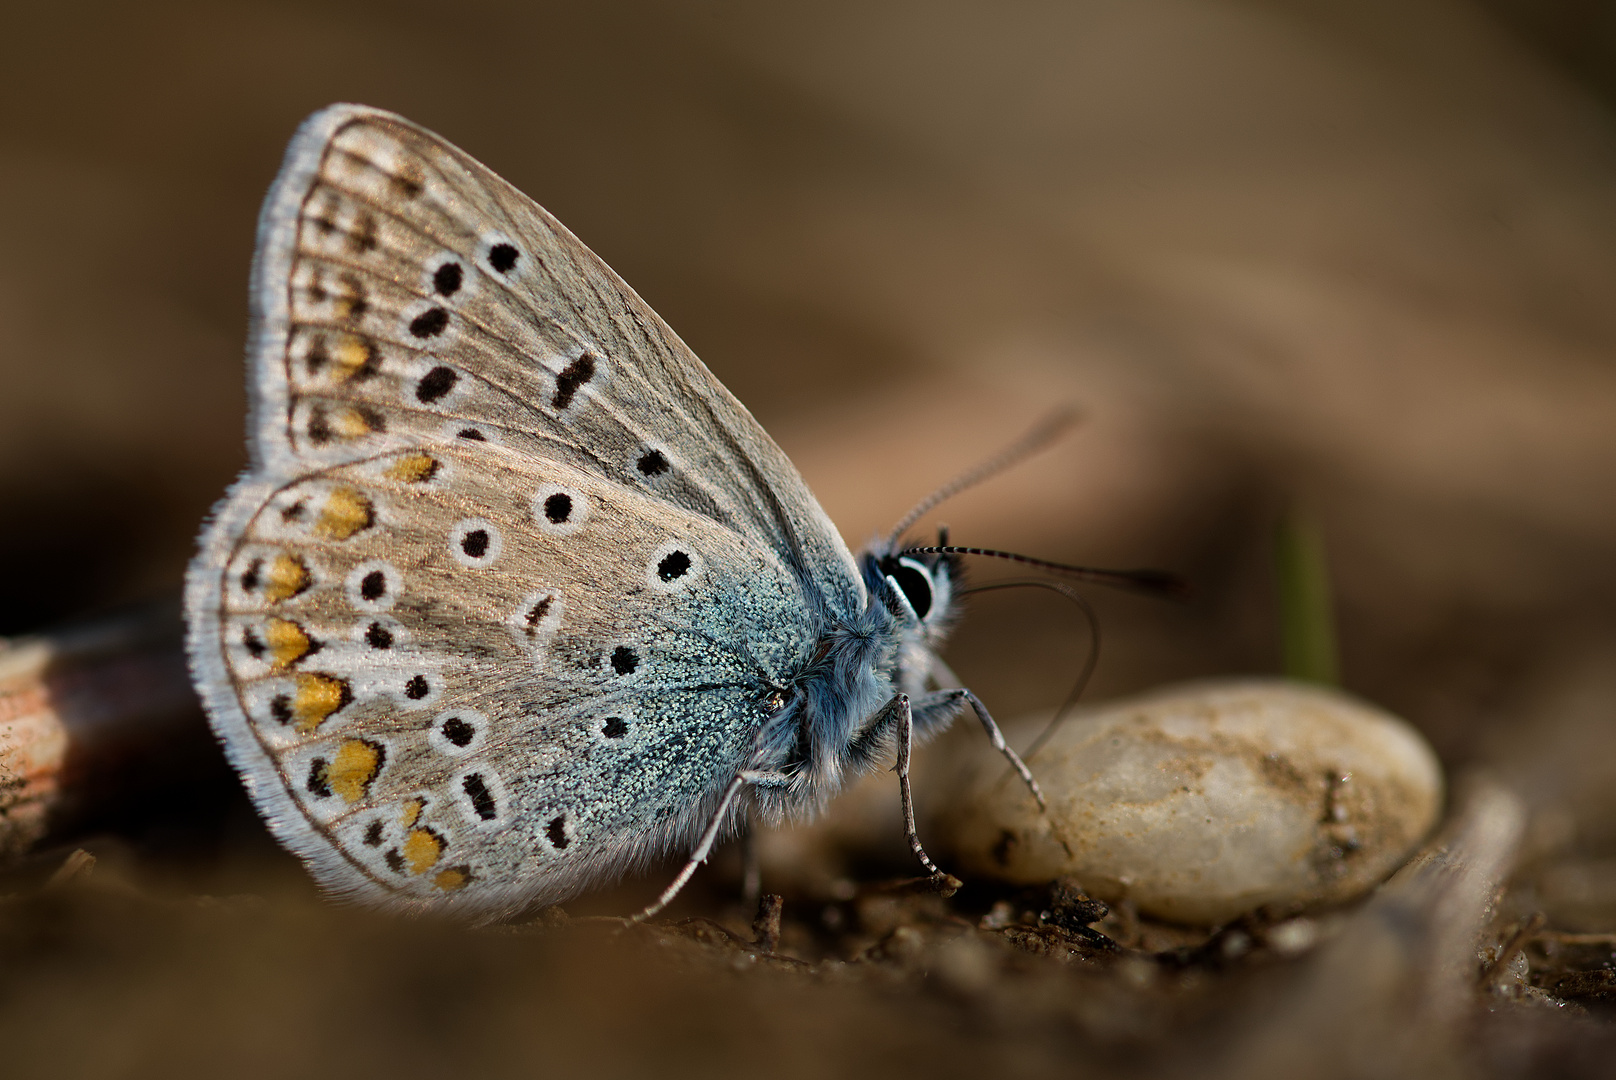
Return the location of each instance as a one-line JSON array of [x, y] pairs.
[[1002, 914], [1204, 802], [1293, 936]]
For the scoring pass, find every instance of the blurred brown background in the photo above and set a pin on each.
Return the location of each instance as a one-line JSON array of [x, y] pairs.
[[1361, 254], [1357, 254]]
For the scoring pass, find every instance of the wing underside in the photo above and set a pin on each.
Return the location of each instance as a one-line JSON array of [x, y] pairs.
[[506, 595]]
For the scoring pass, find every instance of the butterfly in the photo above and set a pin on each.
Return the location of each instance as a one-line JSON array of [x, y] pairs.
[[515, 597]]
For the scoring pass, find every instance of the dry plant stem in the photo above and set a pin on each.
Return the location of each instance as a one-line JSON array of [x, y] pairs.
[[766, 926], [1562, 938], [1387, 997], [92, 719]]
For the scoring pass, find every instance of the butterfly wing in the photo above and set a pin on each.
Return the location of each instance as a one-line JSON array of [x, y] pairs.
[[400, 279], [499, 608]]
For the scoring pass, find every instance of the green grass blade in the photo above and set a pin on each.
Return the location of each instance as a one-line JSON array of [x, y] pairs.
[[1306, 611]]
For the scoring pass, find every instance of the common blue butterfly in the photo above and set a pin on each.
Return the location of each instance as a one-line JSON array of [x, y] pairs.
[[515, 597]]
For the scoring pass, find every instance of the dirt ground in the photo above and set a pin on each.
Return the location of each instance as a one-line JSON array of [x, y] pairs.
[[1356, 257]]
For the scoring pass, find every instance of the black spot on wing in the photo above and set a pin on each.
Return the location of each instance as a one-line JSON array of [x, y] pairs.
[[482, 800], [558, 508], [674, 565], [406, 183], [318, 783], [430, 323], [373, 586], [502, 257], [557, 832], [319, 429], [475, 543], [447, 278], [363, 237], [317, 356], [458, 730], [571, 379], [435, 384]]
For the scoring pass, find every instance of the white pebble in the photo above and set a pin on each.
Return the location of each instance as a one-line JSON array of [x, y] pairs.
[[1293, 936], [1204, 802]]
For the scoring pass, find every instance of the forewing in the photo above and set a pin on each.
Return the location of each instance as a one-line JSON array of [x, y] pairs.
[[407, 292]]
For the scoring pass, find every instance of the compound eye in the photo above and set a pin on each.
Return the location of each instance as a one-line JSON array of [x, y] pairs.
[[915, 581]]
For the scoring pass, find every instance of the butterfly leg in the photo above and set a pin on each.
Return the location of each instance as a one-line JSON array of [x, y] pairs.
[[709, 835], [895, 717], [904, 720], [945, 701]]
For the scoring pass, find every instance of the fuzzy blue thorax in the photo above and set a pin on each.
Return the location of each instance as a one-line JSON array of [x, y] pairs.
[[828, 725]]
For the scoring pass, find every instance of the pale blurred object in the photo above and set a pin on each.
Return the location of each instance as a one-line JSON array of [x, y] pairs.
[[1202, 803], [33, 747], [96, 724]]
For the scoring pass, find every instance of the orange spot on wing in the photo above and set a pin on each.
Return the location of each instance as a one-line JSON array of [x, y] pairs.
[[350, 423], [288, 643], [345, 513], [413, 468], [353, 356], [286, 577], [412, 812], [353, 767], [453, 879], [317, 697], [422, 849]]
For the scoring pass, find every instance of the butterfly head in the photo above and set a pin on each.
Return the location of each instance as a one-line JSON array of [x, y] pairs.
[[918, 589]]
